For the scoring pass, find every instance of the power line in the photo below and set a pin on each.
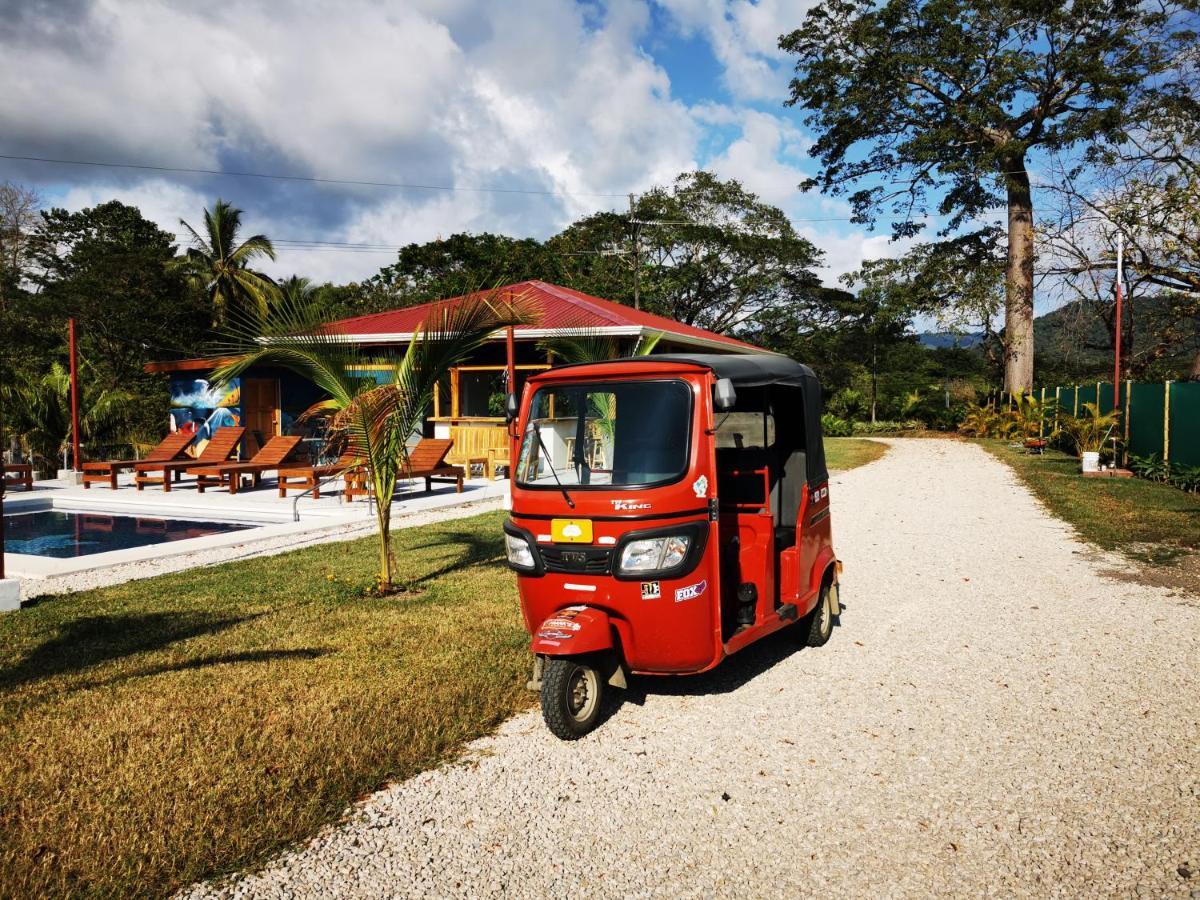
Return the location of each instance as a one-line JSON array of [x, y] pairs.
[[403, 185]]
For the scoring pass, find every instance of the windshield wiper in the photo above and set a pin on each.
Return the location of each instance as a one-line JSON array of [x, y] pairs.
[[537, 432]]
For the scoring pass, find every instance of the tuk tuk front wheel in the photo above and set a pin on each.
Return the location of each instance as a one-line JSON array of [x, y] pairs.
[[571, 695], [817, 626]]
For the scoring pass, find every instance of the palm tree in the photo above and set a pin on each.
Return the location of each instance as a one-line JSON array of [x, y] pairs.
[[376, 414], [221, 266], [588, 347], [41, 412]]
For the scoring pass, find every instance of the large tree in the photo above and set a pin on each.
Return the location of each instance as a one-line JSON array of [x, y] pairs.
[[927, 106], [453, 266], [112, 270], [707, 252]]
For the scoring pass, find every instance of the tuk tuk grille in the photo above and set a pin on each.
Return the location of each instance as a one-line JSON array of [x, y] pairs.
[[586, 560]]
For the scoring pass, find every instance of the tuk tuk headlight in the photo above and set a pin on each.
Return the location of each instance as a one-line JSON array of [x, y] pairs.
[[520, 554], [654, 554]]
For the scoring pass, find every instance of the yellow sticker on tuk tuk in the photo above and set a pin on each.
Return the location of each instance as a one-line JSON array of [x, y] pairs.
[[571, 531]]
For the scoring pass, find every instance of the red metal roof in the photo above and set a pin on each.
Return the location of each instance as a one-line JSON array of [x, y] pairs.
[[555, 307]]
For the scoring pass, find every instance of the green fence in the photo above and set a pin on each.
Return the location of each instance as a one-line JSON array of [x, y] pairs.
[[1161, 418]]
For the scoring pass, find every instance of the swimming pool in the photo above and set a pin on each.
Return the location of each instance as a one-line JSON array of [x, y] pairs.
[[65, 534]]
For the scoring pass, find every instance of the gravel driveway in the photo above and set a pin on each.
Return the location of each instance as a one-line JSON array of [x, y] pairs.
[[993, 717]]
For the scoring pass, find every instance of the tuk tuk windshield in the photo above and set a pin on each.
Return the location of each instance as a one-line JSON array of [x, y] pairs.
[[615, 434]]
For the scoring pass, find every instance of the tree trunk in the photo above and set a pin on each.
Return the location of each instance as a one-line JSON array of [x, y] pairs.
[[1018, 282], [383, 517], [1194, 375]]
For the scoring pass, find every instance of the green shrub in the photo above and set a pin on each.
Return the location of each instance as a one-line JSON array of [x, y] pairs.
[[869, 428], [848, 404], [832, 426]]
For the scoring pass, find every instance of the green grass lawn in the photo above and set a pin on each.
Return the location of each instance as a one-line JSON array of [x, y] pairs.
[[847, 453], [1149, 521], [170, 729]]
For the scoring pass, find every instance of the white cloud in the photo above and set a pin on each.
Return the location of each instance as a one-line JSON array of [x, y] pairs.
[[744, 37], [541, 96]]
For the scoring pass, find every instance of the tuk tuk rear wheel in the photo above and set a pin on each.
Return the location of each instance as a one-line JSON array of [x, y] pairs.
[[817, 626], [571, 694]]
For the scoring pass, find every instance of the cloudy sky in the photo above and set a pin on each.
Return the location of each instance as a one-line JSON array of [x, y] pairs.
[[555, 108]]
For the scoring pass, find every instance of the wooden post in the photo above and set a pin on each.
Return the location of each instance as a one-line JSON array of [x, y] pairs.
[[1042, 416], [454, 393], [1166, 421], [511, 427], [1076, 412], [1057, 404]]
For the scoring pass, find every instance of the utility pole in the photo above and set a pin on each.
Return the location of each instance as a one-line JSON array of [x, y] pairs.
[[1117, 325], [637, 256]]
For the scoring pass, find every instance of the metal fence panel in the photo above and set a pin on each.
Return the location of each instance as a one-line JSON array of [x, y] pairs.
[[1145, 419], [1185, 423]]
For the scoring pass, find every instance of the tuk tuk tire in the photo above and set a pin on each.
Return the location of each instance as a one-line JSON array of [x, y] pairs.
[[817, 626], [567, 714]]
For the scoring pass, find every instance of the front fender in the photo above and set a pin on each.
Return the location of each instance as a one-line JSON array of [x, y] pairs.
[[572, 631]]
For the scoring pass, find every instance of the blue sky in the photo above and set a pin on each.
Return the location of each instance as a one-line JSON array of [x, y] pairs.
[[582, 101]]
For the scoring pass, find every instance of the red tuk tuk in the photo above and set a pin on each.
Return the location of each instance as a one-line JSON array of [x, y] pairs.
[[667, 511]]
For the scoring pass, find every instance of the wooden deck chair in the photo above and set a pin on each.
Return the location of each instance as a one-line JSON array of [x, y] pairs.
[[350, 465], [428, 460], [106, 471], [222, 446], [271, 456], [17, 475]]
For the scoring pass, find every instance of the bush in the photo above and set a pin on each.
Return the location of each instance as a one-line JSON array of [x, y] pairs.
[[1152, 468], [832, 426], [869, 428], [848, 404]]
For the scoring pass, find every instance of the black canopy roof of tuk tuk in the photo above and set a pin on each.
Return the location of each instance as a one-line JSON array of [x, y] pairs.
[[761, 370]]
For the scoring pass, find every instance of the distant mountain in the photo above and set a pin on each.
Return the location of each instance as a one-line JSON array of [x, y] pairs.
[[940, 340]]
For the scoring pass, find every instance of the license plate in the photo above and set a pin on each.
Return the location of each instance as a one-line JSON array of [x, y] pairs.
[[571, 531]]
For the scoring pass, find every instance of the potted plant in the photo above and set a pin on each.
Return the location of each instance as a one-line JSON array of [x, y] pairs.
[[1087, 433]]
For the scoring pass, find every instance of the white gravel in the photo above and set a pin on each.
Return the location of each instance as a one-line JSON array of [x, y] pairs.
[[993, 718]]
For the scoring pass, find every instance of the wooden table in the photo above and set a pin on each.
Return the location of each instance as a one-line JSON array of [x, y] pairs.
[[498, 456]]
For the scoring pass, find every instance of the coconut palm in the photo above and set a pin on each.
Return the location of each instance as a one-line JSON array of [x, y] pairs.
[[377, 399], [218, 264]]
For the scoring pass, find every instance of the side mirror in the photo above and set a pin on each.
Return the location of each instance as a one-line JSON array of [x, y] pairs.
[[512, 406], [724, 395]]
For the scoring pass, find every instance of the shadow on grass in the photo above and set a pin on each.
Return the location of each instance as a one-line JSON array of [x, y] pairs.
[[90, 641], [474, 549], [200, 662]]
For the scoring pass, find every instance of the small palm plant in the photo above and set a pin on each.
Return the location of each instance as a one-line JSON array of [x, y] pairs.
[[40, 410], [1086, 433], [220, 265], [375, 400]]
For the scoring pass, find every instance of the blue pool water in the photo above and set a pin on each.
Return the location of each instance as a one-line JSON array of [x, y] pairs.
[[63, 534]]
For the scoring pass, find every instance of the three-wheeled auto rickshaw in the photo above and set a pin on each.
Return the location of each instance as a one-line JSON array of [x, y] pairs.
[[667, 511]]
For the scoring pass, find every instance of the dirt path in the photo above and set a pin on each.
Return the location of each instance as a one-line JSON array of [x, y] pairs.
[[991, 718]]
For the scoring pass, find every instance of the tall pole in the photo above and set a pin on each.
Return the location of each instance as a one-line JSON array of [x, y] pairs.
[[76, 463], [510, 352], [637, 256], [1117, 328]]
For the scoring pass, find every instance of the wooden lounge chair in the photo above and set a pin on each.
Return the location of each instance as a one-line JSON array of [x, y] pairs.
[[299, 478], [17, 475], [428, 460], [271, 456], [106, 471], [222, 446]]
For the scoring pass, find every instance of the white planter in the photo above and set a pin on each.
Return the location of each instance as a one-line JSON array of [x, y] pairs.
[[70, 476], [10, 594], [1091, 461]]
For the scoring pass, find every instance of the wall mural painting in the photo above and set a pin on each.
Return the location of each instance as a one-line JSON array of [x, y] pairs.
[[200, 408]]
